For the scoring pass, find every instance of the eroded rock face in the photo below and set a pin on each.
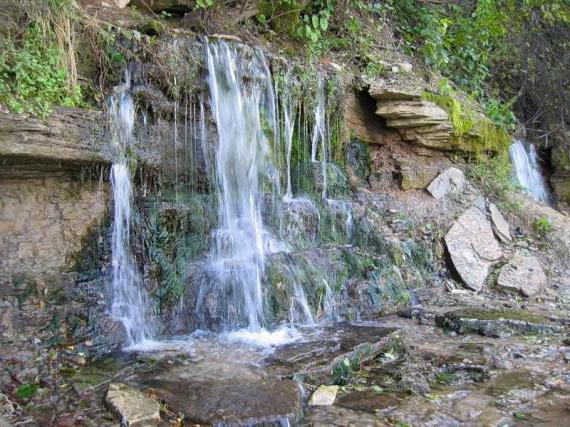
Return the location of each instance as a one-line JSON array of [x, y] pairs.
[[451, 179], [523, 274], [43, 222], [132, 406], [472, 247]]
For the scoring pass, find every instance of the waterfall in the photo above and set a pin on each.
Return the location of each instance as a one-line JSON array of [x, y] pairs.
[[128, 300], [527, 172], [289, 113], [299, 311], [242, 102], [320, 132]]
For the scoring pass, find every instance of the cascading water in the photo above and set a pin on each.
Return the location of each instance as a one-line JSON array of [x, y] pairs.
[[128, 300], [289, 113], [527, 170], [319, 136], [243, 106]]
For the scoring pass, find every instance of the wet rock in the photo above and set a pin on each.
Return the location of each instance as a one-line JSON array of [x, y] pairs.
[[495, 322], [472, 247], [6, 323], [508, 381], [324, 395], [132, 406], [325, 416], [451, 179], [301, 219], [500, 226], [367, 401], [226, 394], [522, 274], [476, 408]]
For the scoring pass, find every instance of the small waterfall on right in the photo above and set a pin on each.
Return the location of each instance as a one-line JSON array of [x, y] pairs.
[[527, 172]]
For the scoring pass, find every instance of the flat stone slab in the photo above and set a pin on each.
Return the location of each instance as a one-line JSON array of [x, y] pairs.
[[500, 225], [452, 179], [132, 406], [324, 395], [522, 274], [472, 247], [226, 394], [495, 322], [367, 401]]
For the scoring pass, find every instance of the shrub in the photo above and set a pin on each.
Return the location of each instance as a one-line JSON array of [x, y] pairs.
[[35, 69], [542, 226]]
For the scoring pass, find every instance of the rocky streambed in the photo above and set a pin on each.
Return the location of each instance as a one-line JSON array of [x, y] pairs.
[[455, 359]]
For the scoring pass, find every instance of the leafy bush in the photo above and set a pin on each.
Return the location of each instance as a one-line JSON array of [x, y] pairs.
[[542, 226], [33, 74], [494, 178]]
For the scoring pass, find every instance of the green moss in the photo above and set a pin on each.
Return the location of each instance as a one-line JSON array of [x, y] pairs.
[[445, 378], [475, 132], [498, 314]]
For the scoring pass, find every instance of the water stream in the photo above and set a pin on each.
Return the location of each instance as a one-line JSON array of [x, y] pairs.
[[527, 171], [128, 299], [243, 107]]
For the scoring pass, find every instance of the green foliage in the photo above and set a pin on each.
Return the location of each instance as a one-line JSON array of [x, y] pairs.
[[445, 378], [204, 4], [32, 77], [315, 20], [458, 40], [342, 372], [542, 226], [518, 49], [308, 23], [493, 176], [501, 113], [27, 391]]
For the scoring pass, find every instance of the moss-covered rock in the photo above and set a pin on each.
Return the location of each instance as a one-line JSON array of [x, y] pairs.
[[495, 322]]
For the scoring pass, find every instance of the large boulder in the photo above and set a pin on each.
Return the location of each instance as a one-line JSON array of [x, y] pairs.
[[451, 179], [472, 247], [522, 274], [132, 406]]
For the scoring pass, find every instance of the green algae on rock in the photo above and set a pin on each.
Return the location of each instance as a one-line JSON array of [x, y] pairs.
[[495, 322]]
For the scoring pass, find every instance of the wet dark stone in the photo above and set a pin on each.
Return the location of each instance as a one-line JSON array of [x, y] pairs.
[[249, 401], [367, 401], [319, 354], [495, 322], [339, 416]]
